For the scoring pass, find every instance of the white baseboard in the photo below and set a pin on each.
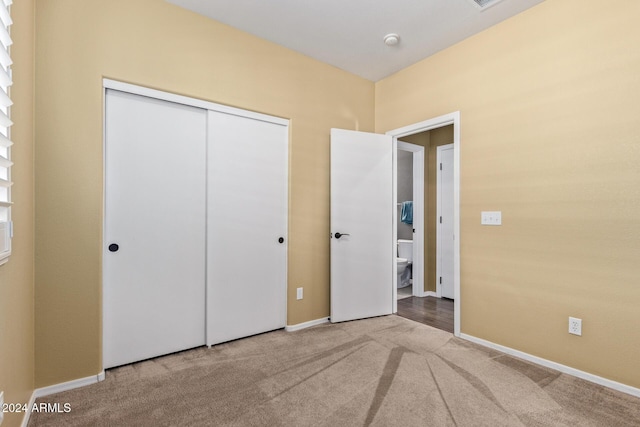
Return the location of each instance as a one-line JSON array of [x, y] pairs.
[[426, 294], [310, 323], [57, 388], [69, 385], [557, 366], [27, 414]]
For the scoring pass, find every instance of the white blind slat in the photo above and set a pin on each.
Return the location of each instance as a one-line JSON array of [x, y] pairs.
[[5, 38], [5, 78], [4, 15], [5, 101], [5, 121], [5, 59], [4, 141]]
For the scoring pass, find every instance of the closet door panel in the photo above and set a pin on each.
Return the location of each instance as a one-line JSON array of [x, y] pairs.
[[246, 226], [155, 202]]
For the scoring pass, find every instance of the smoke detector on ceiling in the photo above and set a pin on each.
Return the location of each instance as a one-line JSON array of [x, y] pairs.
[[391, 39]]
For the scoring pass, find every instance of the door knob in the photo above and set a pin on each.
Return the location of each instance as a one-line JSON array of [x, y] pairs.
[[114, 247], [281, 240], [339, 235]]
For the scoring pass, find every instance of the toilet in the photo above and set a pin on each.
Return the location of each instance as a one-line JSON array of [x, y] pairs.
[[403, 261]]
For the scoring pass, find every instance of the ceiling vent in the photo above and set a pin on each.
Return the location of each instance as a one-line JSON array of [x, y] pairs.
[[485, 4]]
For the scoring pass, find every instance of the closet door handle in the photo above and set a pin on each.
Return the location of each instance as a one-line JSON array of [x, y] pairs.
[[114, 247], [281, 240], [339, 235]]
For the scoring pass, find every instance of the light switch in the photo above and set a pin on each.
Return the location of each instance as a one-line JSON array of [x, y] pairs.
[[299, 293], [491, 218]]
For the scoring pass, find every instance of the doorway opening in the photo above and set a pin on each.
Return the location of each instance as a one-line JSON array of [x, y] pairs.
[[409, 161], [438, 260]]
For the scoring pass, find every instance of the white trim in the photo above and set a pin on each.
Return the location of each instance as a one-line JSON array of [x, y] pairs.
[[419, 207], [304, 325], [437, 122], [430, 294], [27, 414], [57, 388], [557, 366], [69, 385], [439, 151], [394, 224], [193, 102], [103, 218], [421, 293]]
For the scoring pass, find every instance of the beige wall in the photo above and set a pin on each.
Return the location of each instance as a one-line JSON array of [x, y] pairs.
[[156, 44], [16, 277], [549, 104]]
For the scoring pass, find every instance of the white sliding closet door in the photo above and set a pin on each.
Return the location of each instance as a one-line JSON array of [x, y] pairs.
[[246, 226], [154, 238]]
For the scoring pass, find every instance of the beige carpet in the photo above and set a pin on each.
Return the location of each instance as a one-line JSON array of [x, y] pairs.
[[386, 371]]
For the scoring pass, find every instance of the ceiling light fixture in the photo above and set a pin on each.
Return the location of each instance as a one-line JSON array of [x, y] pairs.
[[391, 39]]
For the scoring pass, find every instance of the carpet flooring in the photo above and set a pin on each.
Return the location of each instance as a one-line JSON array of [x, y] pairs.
[[385, 371]]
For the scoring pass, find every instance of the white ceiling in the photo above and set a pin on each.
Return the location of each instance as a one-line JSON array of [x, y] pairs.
[[349, 33]]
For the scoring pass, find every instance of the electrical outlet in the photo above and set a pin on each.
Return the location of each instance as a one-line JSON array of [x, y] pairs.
[[575, 326], [299, 293]]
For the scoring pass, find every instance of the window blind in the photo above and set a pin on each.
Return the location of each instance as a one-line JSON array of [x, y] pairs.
[[5, 131]]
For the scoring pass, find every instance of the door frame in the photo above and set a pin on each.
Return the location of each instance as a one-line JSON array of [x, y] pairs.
[[418, 218], [439, 151], [426, 125]]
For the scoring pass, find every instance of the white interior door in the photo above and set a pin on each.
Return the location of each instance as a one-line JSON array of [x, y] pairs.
[[246, 226], [445, 226], [362, 248], [154, 236]]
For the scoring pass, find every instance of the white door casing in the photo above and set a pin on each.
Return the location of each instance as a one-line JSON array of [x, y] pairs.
[[417, 269], [423, 126], [445, 234], [246, 226], [153, 285], [363, 260]]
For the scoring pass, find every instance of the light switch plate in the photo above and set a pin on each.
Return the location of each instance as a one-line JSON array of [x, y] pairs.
[[491, 218], [298, 293]]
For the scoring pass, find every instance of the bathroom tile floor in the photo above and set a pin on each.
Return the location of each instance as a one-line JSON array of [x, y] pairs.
[[405, 292]]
